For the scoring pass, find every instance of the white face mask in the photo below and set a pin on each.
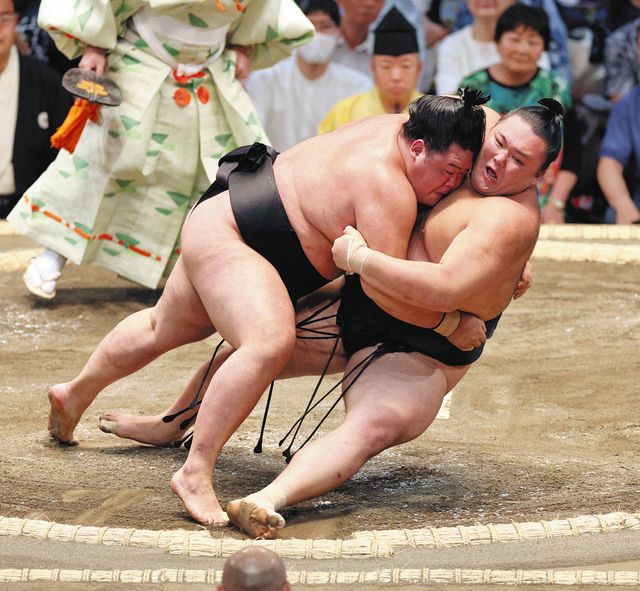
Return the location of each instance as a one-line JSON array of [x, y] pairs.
[[319, 50]]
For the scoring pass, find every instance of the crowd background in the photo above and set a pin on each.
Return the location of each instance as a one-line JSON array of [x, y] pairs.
[[591, 52]]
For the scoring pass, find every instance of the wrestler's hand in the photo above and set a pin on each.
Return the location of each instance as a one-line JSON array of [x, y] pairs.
[[525, 282], [350, 251], [471, 333], [94, 58], [242, 61]]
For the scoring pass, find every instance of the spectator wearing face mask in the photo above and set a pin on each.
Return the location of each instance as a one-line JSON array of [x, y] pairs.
[[396, 68], [292, 97]]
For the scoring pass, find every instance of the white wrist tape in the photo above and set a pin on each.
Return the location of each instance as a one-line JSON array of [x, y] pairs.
[[447, 326], [357, 253], [357, 259]]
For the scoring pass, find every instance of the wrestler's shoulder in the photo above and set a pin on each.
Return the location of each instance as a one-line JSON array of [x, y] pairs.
[[500, 213]]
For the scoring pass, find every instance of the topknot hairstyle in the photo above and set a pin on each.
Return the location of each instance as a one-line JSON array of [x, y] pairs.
[[546, 120], [472, 97], [441, 121], [553, 105]]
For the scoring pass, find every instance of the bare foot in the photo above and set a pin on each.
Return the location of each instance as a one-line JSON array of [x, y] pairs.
[[258, 519], [63, 418], [198, 497], [149, 430]]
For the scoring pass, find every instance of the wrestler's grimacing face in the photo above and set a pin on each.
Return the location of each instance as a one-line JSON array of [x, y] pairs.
[[510, 159], [434, 174]]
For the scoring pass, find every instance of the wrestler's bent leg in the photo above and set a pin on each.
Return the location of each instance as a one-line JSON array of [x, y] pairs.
[[152, 429], [394, 401], [177, 319], [248, 303], [309, 359]]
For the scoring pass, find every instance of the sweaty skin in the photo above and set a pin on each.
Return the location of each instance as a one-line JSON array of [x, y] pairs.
[[482, 242], [485, 240], [220, 284], [331, 176], [470, 255]]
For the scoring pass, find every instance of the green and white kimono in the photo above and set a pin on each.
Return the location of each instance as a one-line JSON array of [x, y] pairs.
[[120, 199]]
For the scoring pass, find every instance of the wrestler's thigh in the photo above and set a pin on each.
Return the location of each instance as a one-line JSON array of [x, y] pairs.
[[404, 389], [179, 316], [318, 348], [241, 291]]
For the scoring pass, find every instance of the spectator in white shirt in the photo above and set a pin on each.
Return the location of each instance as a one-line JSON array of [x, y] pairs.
[[473, 47], [292, 97]]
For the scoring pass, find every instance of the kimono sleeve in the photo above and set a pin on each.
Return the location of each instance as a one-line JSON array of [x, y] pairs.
[[74, 25], [270, 29]]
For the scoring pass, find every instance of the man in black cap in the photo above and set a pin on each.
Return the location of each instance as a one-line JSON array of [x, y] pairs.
[[396, 70]]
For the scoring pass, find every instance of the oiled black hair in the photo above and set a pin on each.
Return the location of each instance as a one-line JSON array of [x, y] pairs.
[[441, 121], [522, 15], [546, 120]]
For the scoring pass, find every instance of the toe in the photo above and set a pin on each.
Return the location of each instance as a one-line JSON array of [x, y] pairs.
[[106, 426]]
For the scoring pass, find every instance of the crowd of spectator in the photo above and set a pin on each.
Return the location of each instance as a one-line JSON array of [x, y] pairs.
[[374, 56]]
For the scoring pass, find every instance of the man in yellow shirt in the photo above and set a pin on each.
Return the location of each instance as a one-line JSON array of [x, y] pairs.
[[396, 70]]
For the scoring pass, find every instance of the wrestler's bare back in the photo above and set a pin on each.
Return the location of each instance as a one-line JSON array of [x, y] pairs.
[[352, 176]]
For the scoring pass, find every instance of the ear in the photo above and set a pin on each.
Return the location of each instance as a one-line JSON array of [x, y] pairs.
[[539, 177], [417, 147]]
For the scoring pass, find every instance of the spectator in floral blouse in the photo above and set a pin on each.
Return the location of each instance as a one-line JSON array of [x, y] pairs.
[[522, 34], [558, 50]]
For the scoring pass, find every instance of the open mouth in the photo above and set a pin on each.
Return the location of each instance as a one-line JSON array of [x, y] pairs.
[[491, 174]]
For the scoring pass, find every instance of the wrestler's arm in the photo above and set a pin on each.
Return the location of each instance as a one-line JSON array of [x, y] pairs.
[[464, 331], [386, 217], [480, 257]]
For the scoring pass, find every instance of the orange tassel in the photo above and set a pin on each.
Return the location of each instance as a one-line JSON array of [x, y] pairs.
[[220, 5], [68, 134], [239, 6]]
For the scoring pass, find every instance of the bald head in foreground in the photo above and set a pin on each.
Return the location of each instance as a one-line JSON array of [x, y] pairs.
[[254, 569]]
